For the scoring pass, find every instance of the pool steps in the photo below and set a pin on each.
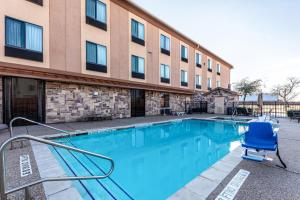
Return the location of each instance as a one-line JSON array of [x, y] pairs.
[[78, 165]]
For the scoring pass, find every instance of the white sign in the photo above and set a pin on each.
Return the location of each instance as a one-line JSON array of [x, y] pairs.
[[25, 165], [233, 186]]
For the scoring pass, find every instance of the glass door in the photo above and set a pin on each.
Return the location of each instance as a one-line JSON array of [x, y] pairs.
[[137, 103]]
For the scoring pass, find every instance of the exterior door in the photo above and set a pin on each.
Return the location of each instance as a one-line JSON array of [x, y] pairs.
[[137, 103], [23, 97], [219, 105]]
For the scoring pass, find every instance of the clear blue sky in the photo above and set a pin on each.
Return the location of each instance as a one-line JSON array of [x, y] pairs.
[[261, 38]]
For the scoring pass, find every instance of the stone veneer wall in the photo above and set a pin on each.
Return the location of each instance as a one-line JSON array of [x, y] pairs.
[[74, 102], [177, 102], [229, 100], [152, 103], [1, 101]]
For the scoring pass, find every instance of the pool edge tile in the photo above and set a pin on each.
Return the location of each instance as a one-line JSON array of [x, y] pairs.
[[204, 184]]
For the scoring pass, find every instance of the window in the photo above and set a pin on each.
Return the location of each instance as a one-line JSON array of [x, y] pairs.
[[96, 14], [138, 67], [184, 78], [165, 44], [38, 2], [209, 65], [164, 73], [137, 32], [198, 60], [209, 83], [184, 54], [23, 40], [218, 83], [96, 57], [165, 101], [198, 81], [219, 69]]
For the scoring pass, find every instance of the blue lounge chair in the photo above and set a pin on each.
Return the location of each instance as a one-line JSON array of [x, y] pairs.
[[260, 137]]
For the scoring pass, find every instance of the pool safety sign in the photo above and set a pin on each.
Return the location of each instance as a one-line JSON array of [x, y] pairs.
[[25, 165], [233, 186]]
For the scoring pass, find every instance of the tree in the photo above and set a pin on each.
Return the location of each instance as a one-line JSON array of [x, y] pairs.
[[287, 91], [247, 87]]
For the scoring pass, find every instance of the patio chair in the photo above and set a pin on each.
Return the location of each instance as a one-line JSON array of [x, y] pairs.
[[261, 138]]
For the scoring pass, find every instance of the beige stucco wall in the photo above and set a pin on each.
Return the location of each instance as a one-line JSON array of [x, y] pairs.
[[23, 10], [66, 32], [119, 42], [65, 35], [96, 35]]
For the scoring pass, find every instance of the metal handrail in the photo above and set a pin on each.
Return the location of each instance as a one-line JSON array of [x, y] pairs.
[[4, 193], [34, 122]]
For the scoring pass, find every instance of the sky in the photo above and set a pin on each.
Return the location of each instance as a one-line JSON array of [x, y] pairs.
[[261, 38]]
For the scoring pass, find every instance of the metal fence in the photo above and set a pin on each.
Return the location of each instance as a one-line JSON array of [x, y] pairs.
[[278, 109]]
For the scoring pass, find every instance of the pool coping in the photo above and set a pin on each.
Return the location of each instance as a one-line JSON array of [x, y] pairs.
[[49, 167], [199, 188]]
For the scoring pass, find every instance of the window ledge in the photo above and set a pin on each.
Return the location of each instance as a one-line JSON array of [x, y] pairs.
[[165, 51], [96, 23], [38, 2], [198, 65], [184, 60], [164, 80], [138, 40], [23, 53], [137, 75], [185, 84], [96, 67], [210, 70]]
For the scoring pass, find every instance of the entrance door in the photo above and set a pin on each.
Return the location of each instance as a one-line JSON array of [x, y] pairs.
[[137, 103], [219, 105], [23, 98]]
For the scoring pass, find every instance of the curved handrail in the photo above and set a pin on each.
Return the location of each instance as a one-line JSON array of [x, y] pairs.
[[34, 122], [3, 191]]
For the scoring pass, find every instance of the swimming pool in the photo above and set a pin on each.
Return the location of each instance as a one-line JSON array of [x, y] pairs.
[[151, 162]]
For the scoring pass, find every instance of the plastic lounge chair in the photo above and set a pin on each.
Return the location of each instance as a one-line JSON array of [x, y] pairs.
[[260, 137]]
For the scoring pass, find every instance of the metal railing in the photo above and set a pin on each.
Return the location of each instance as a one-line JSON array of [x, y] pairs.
[[34, 122], [4, 192]]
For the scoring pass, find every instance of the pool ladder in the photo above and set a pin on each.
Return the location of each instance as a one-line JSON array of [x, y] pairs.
[[4, 192]]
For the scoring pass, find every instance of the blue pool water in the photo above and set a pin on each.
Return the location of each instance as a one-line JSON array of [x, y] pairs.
[[151, 162]]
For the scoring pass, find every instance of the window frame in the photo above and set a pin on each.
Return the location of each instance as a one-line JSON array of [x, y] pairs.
[[22, 52], [184, 82], [95, 66], [93, 21], [209, 64], [184, 59], [162, 49], [164, 79], [137, 39], [209, 83], [198, 86], [198, 62], [137, 74], [218, 69]]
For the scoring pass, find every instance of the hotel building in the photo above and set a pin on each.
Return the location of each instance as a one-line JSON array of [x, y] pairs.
[[72, 60]]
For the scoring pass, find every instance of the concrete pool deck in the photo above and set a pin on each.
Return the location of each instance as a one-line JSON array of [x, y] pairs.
[[266, 181]]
